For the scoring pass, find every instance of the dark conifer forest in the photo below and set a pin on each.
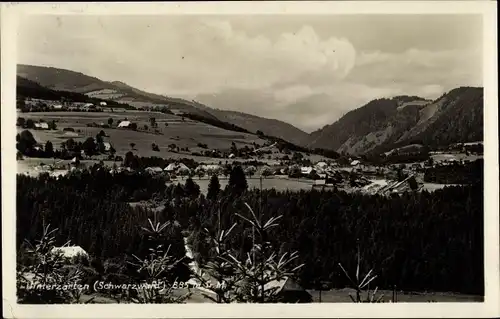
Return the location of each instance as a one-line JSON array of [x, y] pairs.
[[417, 241]]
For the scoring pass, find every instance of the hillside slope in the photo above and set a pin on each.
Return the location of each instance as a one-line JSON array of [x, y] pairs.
[[66, 80], [455, 117], [272, 127], [29, 89], [379, 122], [383, 124]]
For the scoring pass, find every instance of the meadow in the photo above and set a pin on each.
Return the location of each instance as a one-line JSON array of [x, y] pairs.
[[182, 133], [277, 183]]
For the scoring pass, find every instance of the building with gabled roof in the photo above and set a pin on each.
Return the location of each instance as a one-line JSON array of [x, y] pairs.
[[42, 126], [288, 291], [124, 124]]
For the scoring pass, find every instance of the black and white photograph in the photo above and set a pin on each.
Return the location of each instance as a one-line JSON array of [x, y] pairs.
[[251, 158]]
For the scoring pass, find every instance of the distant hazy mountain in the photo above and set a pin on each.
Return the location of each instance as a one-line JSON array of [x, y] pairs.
[[387, 123], [66, 80]]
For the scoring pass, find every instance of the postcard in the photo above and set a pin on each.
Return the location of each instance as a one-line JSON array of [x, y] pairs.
[[250, 159]]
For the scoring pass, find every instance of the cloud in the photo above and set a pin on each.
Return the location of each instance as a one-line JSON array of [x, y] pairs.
[[259, 62], [303, 74], [183, 56], [416, 68]]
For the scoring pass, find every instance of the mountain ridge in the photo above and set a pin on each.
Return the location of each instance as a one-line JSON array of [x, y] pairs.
[[377, 126], [67, 80], [383, 124]]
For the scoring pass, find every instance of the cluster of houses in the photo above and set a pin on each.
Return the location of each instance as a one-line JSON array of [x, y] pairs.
[[171, 169], [55, 105], [41, 126]]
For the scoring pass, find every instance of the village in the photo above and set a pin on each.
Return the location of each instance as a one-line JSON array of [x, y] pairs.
[[61, 105], [353, 176]]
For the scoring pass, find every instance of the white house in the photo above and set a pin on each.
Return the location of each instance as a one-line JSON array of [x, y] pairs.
[[57, 107], [306, 170], [70, 251], [103, 104], [124, 124], [355, 163], [42, 126], [171, 167]]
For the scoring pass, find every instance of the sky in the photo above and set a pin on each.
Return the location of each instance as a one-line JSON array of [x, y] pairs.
[[307, 70]]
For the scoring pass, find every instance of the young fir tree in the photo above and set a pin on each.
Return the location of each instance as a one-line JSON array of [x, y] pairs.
[[246, 278], [213, 188], [49, 149], [237, 181], [191, 188]]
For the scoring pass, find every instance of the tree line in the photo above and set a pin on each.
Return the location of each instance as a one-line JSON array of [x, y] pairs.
[[456, 173]]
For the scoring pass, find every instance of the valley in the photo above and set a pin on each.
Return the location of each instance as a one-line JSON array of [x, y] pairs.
[[103, 160]]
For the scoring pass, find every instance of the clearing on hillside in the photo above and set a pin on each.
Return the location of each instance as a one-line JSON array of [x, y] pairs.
[[171, 129]]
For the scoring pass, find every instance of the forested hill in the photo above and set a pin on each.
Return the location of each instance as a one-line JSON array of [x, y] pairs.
[[30, 89], [456, 117], [378, 122], [268, 126], [67, 80], [383, 124]]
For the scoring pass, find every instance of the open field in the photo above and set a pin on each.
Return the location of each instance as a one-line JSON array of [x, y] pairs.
[[186, 133], [183, 134], [455, 156], [277, 183]]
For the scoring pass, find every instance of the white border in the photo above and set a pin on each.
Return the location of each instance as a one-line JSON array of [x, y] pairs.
[[10, 14]]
